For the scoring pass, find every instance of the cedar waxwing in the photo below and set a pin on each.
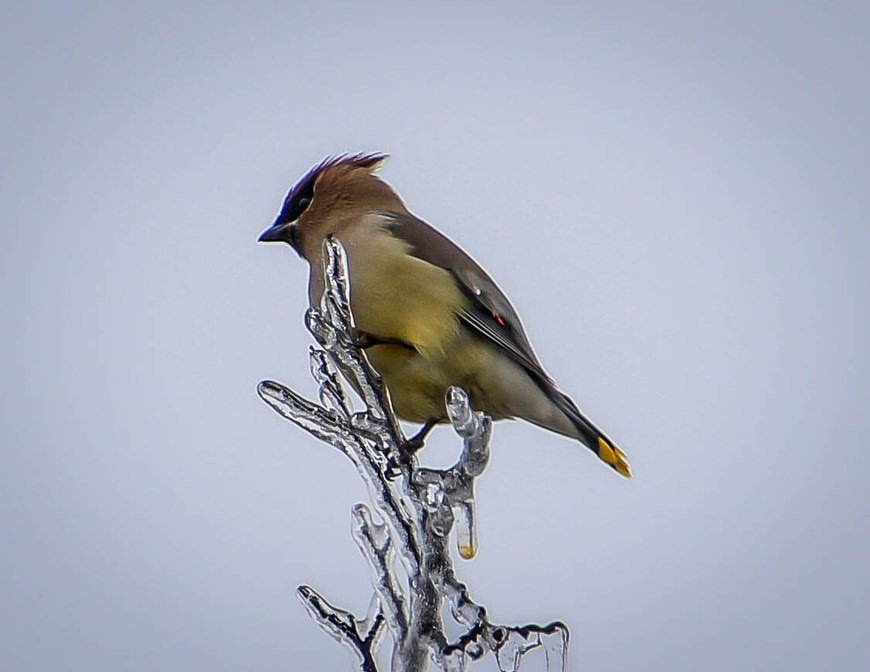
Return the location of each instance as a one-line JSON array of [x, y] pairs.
[[428, 315]]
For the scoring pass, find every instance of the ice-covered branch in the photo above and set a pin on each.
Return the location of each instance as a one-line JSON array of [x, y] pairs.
[[408, 549]]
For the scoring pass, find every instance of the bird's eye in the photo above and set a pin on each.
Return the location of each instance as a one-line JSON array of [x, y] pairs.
[[303, 203]]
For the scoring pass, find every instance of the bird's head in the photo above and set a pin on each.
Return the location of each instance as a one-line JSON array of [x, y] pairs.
[[337, 193]]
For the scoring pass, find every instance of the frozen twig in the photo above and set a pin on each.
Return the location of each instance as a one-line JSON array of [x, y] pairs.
[[408, 551]]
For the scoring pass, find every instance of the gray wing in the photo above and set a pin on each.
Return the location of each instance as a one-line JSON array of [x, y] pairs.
[[493, 317], [490, 313]]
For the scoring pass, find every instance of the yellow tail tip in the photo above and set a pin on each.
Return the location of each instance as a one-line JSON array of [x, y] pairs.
[[614, 457]]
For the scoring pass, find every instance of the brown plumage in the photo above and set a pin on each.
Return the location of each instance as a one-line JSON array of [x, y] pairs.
[[431, 315]]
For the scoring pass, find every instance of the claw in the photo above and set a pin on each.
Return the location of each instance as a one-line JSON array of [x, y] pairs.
[[363, 340]]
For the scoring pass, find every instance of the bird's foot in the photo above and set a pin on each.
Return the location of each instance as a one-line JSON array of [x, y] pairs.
[[364, 340], [392, 470], [416, 442]]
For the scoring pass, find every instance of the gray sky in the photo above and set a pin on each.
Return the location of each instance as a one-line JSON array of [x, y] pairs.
[[674, 197]]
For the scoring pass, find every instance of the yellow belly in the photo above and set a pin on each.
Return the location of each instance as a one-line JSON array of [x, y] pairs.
[[418, 383]]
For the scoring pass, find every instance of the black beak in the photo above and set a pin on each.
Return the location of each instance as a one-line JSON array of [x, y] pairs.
[[279, 232]]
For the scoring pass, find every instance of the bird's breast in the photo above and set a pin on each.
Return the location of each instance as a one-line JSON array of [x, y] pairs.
[[399, 298]]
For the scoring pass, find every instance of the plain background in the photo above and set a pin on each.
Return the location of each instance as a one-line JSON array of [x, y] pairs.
[[675, 195]]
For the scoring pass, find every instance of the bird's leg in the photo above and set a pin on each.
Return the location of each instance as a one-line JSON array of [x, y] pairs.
[[409, 447], [416, 442]]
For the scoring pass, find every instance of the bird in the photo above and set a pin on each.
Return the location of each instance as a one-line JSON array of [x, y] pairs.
[[428, 316]]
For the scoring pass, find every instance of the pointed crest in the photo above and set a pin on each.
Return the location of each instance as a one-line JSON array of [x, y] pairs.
[[305, 186]]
